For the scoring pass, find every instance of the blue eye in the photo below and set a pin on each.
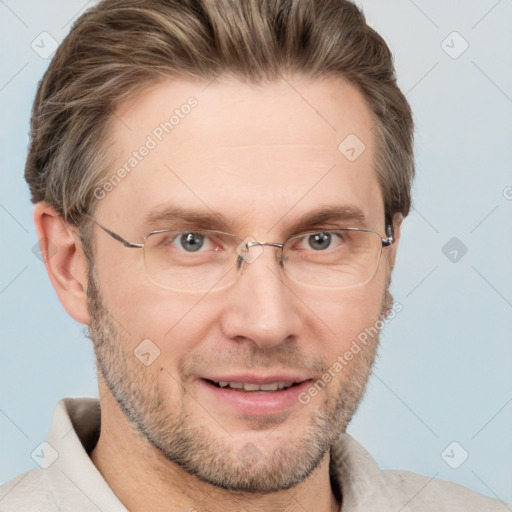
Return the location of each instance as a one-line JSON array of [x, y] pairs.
[[191, 242], [319, 241]]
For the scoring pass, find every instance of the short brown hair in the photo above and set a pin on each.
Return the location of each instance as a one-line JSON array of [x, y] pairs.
[[119, 47]]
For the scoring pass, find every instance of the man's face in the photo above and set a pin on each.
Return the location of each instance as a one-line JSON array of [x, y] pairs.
[[262, 158]]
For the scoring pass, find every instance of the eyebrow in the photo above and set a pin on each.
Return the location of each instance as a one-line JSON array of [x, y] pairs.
[[334, 215], [186, 218], [322, 216]]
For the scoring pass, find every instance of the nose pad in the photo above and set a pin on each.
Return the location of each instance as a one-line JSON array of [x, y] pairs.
[[246, 255]]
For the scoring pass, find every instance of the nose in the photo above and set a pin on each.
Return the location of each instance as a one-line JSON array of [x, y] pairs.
[[261, 307]]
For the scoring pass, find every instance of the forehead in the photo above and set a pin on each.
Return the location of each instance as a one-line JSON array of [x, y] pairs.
[[256, 154]]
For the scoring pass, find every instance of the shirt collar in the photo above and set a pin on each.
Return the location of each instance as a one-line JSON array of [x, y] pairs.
[[73, 479]]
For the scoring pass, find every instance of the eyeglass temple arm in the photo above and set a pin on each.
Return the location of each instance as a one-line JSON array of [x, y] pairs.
[[115, 236]]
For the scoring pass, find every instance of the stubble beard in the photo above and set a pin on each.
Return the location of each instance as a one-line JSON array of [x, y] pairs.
[[172, 429]]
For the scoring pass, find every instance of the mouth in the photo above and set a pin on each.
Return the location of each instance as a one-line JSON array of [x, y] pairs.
[[251, 386], [251, 395]]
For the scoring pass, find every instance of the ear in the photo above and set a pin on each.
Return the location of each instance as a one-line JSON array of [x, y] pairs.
[[397, 232], [64, 260]]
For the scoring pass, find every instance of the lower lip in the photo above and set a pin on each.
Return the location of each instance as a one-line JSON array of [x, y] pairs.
[[256, 403]]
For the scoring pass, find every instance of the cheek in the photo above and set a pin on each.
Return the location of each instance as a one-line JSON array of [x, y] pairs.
[[175, 323], [340, 319]]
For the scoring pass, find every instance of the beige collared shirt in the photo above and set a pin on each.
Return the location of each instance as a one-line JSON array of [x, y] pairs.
[[67, 480]]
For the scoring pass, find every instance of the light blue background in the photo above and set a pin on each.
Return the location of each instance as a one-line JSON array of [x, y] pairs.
[[444, 371]]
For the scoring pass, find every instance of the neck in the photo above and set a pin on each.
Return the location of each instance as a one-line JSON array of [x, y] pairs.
[[143, 479]]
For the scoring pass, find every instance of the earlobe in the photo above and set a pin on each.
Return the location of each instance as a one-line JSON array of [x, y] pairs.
[[64, 260]]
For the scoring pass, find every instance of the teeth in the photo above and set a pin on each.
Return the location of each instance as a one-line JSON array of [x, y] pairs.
[[248, 386], [251, 387]]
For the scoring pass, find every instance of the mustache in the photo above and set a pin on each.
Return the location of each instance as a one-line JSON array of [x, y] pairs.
[[282, 357]]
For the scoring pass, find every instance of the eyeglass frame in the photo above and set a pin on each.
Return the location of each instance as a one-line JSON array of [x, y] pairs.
[[386, 242]]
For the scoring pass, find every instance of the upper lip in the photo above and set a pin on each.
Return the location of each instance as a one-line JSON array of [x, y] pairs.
[[251, 378]]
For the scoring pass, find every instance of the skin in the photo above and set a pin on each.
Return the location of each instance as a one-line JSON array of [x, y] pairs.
[[262, 156]]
